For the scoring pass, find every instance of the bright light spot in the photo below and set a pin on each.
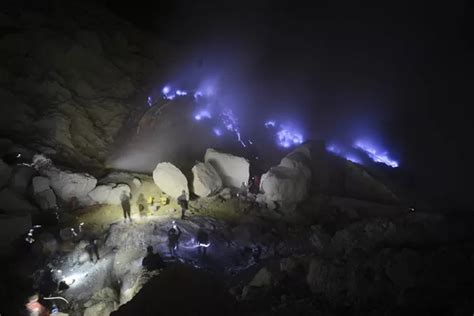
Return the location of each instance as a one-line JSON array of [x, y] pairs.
[[180, 92], [269, 124], [217, 132], [166, 90], [150, 101], [375, 154]]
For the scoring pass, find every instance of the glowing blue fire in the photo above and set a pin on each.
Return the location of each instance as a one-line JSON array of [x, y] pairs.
[[269, 124], [288, 137], [202, 114], [197, 94], [217, 131], [353, 159], [334, 149], [166, 90], [343, 152], [181, 92], [375, 154]]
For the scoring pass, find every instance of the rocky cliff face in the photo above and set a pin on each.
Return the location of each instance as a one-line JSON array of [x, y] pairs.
[[70, 77]]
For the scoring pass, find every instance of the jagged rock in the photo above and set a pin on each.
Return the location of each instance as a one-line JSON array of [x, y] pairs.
[[360, 184], [319, 238], [40, 184], [137, 182], [110, 193], [21, 179], [226, 193], [299, 159], [46, 200], [69, 89], [103, 303], [5, 173], [233, 170], [68, 185], [288, 183], [206, 180], [12, 202], [170, 179], [263, 278]]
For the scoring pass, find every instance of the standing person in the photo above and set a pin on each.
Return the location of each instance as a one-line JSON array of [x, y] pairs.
[[152, 261], [203, 242], [142, 205], [183, 202], [92, 250], [173, 239], [125, 201]]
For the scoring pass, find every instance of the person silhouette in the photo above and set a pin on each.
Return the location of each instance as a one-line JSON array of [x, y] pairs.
[[125, 201]]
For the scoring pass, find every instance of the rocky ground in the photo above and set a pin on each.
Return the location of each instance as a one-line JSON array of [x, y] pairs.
[[323, 236]]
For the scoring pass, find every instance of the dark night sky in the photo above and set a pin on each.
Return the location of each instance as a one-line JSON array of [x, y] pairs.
[[403, 68]]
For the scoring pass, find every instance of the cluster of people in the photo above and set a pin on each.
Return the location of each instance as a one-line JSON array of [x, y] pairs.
[[146, 207]]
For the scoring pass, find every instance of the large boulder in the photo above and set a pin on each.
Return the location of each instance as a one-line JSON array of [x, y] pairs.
[[288, 183], [360, 184], [109, 193], [43, 194], [46, 200], [300, 160], [233, 170], [170, 179], [206, 180], [40, 184], [5, 173], [283, 184], [21, 179], [68, 185]]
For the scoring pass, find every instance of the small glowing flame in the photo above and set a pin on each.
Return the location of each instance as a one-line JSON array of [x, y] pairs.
[[202, 114], [166, 90], [217, 131], [269, 124]]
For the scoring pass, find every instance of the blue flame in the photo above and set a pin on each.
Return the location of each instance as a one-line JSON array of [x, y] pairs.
[[353, 159], [197, 95], [181, 92], [269, 124], [334, 149], [202, 114], [287, 137], [377, 155], [217, 131], [166, 89]]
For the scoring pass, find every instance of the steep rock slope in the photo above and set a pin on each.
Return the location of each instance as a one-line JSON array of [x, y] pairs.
[[70, 76]]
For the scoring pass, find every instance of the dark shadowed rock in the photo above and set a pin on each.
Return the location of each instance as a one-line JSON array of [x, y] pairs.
[[180, 290]]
